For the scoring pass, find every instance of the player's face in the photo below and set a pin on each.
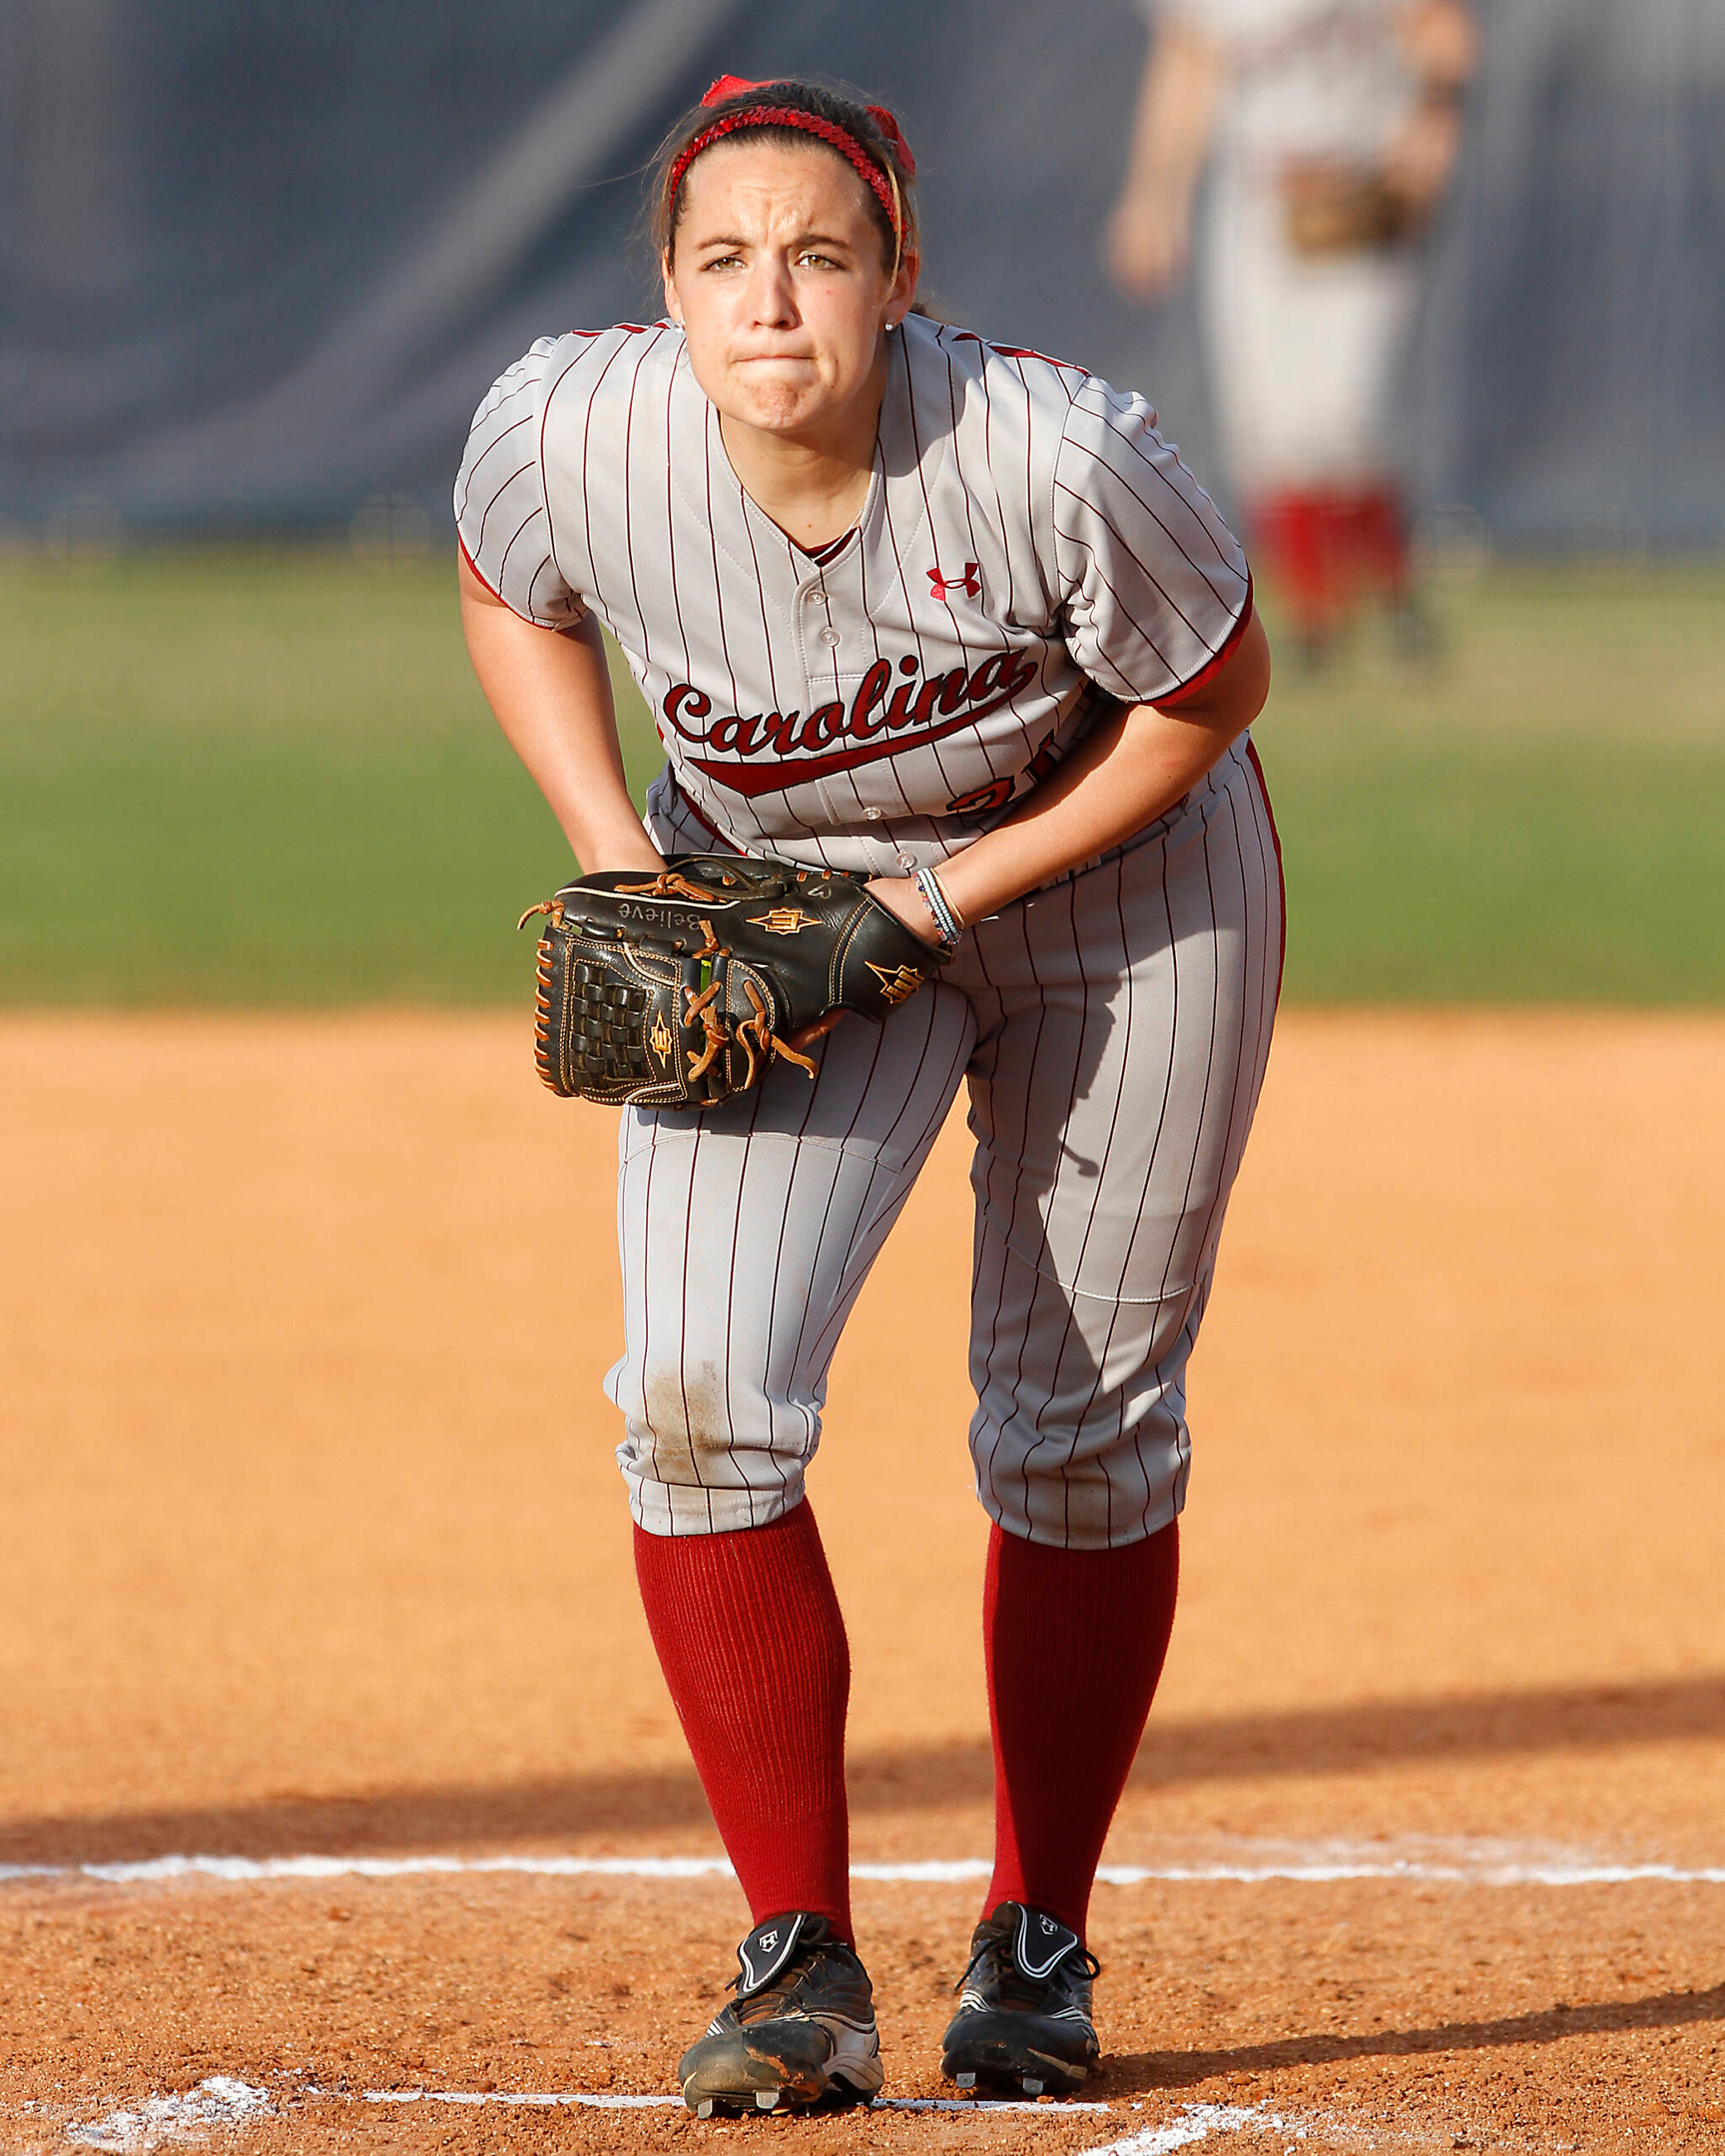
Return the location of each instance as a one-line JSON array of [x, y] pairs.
[[775, 275]]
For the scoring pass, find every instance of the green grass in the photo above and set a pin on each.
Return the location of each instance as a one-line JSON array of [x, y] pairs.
[[270, 778], [1540, 818], [265, 779]]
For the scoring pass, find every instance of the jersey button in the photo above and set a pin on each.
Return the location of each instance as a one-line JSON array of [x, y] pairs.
[[829, 637], [874, 816]]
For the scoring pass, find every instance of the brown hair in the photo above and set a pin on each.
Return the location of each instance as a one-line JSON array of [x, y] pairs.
[[829, 110]]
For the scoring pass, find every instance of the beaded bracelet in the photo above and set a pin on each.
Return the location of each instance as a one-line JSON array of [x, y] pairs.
[[949, 928]]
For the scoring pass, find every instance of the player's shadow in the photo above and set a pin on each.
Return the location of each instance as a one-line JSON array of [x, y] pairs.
[[548, 1811], [1127, 2074]]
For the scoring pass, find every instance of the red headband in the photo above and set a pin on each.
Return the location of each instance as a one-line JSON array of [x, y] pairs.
[[883, 184]]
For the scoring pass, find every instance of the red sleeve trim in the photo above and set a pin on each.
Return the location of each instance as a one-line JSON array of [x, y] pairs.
[[1017, 351], [1025, 351], [1215, 662], [1281, 867], [479, 573], [499, 596]]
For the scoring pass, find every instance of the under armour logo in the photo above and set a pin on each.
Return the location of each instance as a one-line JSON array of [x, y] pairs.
[[970, 583]]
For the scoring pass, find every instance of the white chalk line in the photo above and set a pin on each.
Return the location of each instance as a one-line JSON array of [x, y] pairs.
[[223, 2100], [220, 2100], [1490, 1867], [1198, 2122], [604, 2101]]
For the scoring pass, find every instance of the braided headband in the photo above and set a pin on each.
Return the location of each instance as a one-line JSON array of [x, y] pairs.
[[883, 185]]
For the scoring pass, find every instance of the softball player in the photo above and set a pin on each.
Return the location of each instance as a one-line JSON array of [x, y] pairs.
[[1333, 127], [953, 614]]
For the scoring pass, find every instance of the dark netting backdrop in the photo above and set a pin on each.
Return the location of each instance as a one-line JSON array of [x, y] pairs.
[[257, 265]]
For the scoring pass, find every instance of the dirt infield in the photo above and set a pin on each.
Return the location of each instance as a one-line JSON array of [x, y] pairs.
[[316, 1548]]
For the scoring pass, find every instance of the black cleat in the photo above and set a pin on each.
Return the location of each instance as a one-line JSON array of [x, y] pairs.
[[799, 2033], [1023, 2019]]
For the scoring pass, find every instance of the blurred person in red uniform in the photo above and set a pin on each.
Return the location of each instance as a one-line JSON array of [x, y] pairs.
[[1333, 127]]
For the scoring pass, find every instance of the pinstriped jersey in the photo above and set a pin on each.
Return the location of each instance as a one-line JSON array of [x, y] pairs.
[[1030, 547]]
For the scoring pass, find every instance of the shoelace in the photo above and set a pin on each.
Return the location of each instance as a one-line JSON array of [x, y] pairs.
[[796, 1970], [1093, 1967]]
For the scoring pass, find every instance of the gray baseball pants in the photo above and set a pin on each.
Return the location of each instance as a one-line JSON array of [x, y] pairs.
[[1113, 1030]]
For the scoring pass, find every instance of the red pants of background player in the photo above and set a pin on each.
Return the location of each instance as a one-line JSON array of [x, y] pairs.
[[1327, 548]]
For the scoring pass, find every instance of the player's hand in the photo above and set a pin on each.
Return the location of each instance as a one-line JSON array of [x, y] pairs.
[[903, 901], [1419, 161], [624, 849], [906, 902], [1144, 247]]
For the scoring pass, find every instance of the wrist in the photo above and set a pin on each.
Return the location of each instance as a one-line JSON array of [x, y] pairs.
[[624, 843], [948, 924], [899, 895]]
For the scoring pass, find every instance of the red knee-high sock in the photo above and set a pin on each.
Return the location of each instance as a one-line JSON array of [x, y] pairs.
[[753, 1647], [1074, 1641]]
